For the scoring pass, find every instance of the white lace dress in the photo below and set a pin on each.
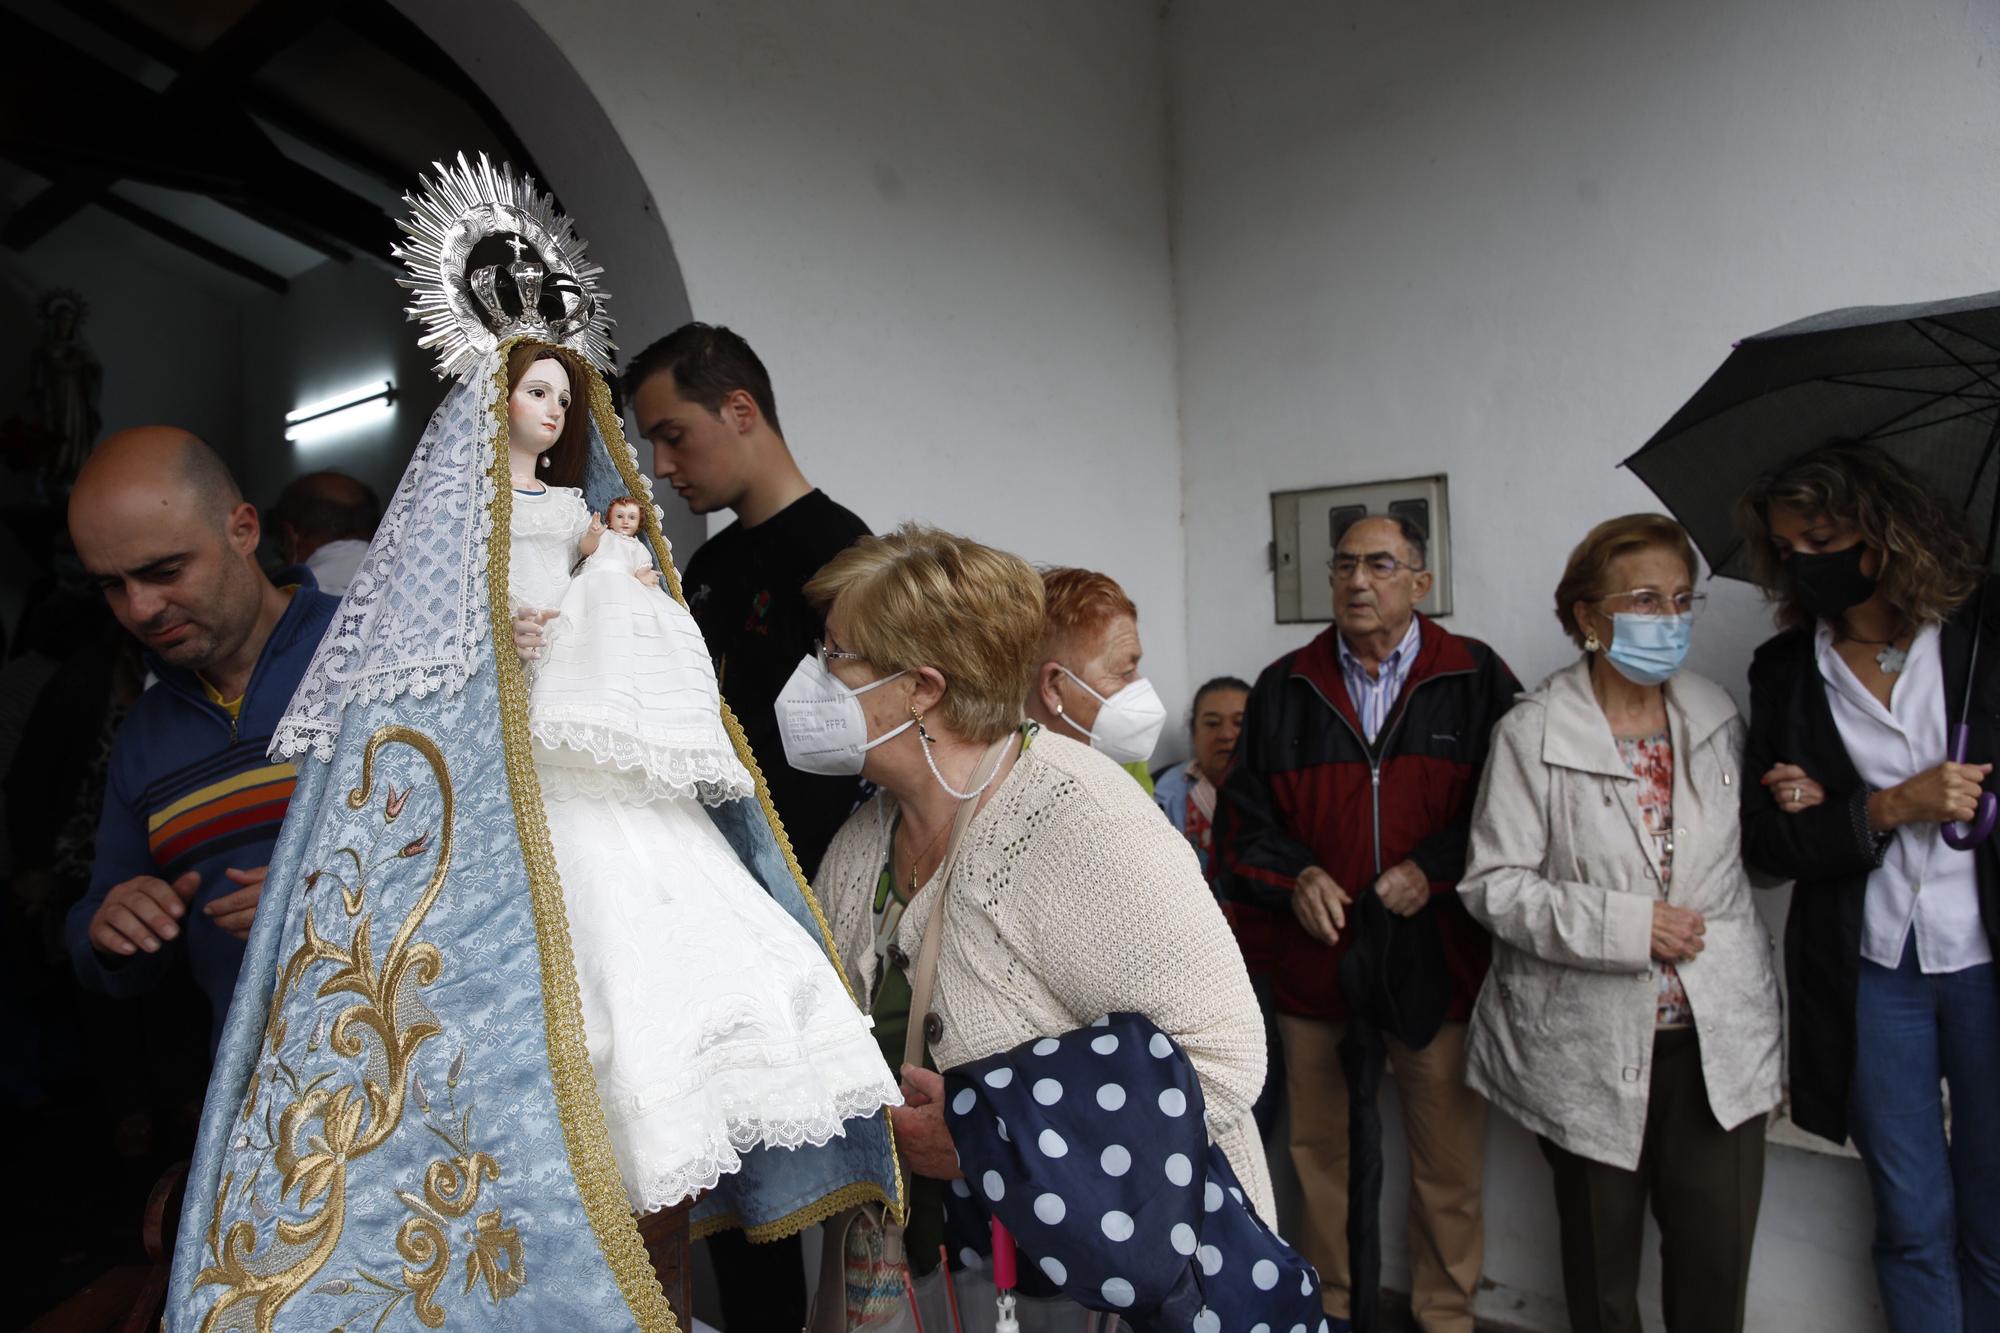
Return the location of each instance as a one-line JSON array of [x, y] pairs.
[[714, 1023]]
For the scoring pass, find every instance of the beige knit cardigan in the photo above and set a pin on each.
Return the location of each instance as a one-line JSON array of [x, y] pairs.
[[1074, 898]]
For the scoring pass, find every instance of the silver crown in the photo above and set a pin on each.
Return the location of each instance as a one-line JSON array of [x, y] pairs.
[[465, 310]]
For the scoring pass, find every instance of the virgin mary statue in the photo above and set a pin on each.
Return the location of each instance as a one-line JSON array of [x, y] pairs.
[[511, 985]]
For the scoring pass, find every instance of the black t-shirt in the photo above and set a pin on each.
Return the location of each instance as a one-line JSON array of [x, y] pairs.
[[746, 589]]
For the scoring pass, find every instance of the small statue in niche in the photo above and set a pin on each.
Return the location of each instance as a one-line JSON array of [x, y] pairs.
[[65, 379]]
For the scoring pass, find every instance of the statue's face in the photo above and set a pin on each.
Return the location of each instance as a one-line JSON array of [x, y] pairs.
[[63, 320], [538, 406], [623, 519]]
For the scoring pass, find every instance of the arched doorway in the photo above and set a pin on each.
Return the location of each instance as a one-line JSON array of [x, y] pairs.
[[212, 186]]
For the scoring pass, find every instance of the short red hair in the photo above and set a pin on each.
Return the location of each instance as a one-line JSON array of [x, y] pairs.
[[1081, 603]]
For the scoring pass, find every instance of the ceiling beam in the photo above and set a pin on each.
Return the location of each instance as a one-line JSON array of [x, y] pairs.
[[263, 103], [206, 76], [118, 129], [199, 246]]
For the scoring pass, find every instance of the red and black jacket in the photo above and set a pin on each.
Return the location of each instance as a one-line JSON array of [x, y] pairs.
[[1306, 789]]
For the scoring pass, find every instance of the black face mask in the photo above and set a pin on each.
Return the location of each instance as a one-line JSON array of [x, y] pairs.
[[1827, 585]]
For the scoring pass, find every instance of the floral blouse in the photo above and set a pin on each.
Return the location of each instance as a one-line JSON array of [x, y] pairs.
[[1651, 760]]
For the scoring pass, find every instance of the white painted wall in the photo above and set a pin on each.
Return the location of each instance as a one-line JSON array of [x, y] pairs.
[[943, 227], [1505, 241]]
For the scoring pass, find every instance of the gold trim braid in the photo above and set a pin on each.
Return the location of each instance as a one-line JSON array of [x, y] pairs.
[[612, 429], [591, 1159]]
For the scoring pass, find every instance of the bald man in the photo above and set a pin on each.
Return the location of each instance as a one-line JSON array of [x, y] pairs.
[[192, 804], [324, 521]]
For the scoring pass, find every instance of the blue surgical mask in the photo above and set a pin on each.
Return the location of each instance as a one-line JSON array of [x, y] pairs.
[[1648, 650]]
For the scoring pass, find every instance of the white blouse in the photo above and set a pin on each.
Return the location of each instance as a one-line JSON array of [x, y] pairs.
[[1922, 884]]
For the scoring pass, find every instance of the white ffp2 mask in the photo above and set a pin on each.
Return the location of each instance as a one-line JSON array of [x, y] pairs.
[[821, 722], [1129, 723]]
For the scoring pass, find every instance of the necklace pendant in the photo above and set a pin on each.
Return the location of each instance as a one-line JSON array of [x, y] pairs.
[[1891, 659]]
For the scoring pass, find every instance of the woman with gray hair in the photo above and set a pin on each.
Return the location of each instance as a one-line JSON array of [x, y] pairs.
[[1630, 1019]]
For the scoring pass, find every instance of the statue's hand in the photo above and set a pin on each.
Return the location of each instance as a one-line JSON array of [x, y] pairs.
[[528, 635]]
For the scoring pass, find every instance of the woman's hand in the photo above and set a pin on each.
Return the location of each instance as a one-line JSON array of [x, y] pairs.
[[1677, 933], [1792, 789], [528, 632], [922, 1140], [1948, 792]]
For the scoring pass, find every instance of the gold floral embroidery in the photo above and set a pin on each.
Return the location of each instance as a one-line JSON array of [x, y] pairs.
[[491, 1244], [328, 1125]]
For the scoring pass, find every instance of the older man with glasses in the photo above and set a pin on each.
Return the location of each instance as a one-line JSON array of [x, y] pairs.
[[1356, 772]]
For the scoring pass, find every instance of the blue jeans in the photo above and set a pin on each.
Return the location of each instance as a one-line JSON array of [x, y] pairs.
[[1937, 1205]]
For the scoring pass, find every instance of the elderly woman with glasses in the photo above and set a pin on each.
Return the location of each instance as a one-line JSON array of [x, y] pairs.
[[1071, 898], [1631, 1015]]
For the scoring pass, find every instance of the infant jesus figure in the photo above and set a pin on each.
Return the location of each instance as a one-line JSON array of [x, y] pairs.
[[624, 695], [713, 1022]]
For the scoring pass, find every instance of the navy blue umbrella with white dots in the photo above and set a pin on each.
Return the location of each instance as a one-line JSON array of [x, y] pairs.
[[1093, 1149]]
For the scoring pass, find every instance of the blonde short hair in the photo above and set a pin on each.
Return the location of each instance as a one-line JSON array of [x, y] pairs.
[[920, 597], [1590, 563]]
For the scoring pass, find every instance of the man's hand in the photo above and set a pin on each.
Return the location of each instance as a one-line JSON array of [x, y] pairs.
[[528, 632], [1403, 888], [922, 1140], [141, 912], [235, 911], [1320, 905]]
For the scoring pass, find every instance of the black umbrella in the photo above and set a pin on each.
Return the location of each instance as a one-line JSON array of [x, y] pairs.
[[1395, 982], [1922, 381]]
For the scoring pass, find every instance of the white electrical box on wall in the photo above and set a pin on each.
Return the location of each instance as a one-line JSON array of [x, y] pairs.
[[1307, 525]]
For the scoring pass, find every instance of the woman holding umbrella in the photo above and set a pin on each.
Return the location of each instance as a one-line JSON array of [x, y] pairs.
[[1630, 1019], [1890, 943]]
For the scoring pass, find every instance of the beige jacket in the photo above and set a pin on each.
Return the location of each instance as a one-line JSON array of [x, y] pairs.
[[1074, 898], [1564, 874]]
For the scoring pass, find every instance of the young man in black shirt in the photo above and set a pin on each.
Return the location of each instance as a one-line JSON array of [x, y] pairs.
[[704, 401]]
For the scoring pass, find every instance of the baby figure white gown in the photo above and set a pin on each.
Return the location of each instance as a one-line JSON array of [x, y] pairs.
[[714, 1023]]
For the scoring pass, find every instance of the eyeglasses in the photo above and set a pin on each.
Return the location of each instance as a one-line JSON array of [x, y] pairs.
[[1652, 602], [1379, 566], [826, 654]]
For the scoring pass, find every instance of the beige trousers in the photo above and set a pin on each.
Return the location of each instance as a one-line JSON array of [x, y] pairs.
[[1445, 1123]]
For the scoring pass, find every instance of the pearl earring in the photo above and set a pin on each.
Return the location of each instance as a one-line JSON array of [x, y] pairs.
[[545, 462], [1591, 645]]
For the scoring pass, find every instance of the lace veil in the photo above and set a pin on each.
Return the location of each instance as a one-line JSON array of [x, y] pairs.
[[414, 617]]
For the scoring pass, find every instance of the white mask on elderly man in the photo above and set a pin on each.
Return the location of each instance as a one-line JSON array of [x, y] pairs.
[[1129, 723], [821, 722]]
